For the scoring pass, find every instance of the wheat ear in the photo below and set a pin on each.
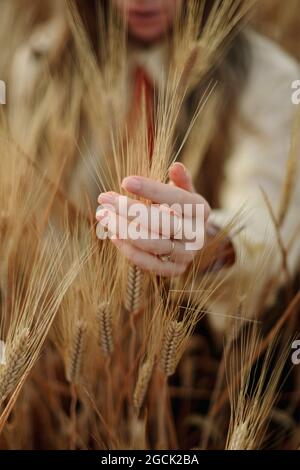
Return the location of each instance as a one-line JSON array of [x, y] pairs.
[[105, 338], [76, 352], [240, 437], [290, 173], [11, 372], [142, 385], [134, 289], [171, 343]]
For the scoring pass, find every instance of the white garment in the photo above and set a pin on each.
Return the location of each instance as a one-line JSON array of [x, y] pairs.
[[258, 162]]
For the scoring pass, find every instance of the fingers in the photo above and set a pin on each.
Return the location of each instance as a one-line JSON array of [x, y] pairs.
[[155, 218], [176, 250], [154, 221], [143, 232], [119, 226], [140, 238], [164, 194], [181, 177], [147, 261]]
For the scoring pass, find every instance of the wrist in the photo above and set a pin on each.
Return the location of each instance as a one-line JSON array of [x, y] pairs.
[[222, 249]]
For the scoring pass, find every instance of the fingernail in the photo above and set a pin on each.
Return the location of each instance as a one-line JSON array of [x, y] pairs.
[[99, 208], [132, 184], [109, 198], [180, 165], [101, 213]]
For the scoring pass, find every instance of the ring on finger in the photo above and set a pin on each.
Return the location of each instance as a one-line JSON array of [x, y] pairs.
[[168, 256]]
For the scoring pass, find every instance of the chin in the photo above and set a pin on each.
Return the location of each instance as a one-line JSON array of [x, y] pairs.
[[147, 36]]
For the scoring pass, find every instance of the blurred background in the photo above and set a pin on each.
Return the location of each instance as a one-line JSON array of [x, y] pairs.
[[281, 22], [278, 19]]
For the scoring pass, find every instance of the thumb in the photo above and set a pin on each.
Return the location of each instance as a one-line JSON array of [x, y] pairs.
[[181, 177]]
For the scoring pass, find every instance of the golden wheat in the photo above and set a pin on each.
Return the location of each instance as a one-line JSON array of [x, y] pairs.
[[143, 381], [134, 289], [15, 360], [171, 342], [75, 356], [105, 338]]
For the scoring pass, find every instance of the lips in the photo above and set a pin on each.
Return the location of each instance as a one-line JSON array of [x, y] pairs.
[[144, 16], [145, 11]]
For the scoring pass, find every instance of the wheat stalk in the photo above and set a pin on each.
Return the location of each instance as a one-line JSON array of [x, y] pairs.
[[251, 404], [75, 357], [195, 54], [133, 295], [240, 437], [170, 348], [142, 385], [15, 363], [105, 338], [290, 173]]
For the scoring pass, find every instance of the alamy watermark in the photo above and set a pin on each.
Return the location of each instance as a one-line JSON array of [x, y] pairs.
[[138, 221], [296, 93], [2, 92], [296, 354], [2, 353]]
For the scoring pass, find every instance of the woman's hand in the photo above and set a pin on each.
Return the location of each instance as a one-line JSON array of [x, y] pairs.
[[159, 249]]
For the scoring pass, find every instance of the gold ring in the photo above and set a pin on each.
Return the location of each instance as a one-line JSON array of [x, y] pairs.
[[168, 256]]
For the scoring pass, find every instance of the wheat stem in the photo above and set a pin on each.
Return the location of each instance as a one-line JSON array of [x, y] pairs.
[[105, 338], [142, 385], [134, 289], [240, 437], [11, 372], [170, 347], [75, 356]]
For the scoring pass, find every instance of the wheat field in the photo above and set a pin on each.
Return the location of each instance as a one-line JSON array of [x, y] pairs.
[[98, 353]]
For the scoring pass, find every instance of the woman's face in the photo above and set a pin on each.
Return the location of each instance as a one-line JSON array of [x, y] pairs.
[[148, 20]]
